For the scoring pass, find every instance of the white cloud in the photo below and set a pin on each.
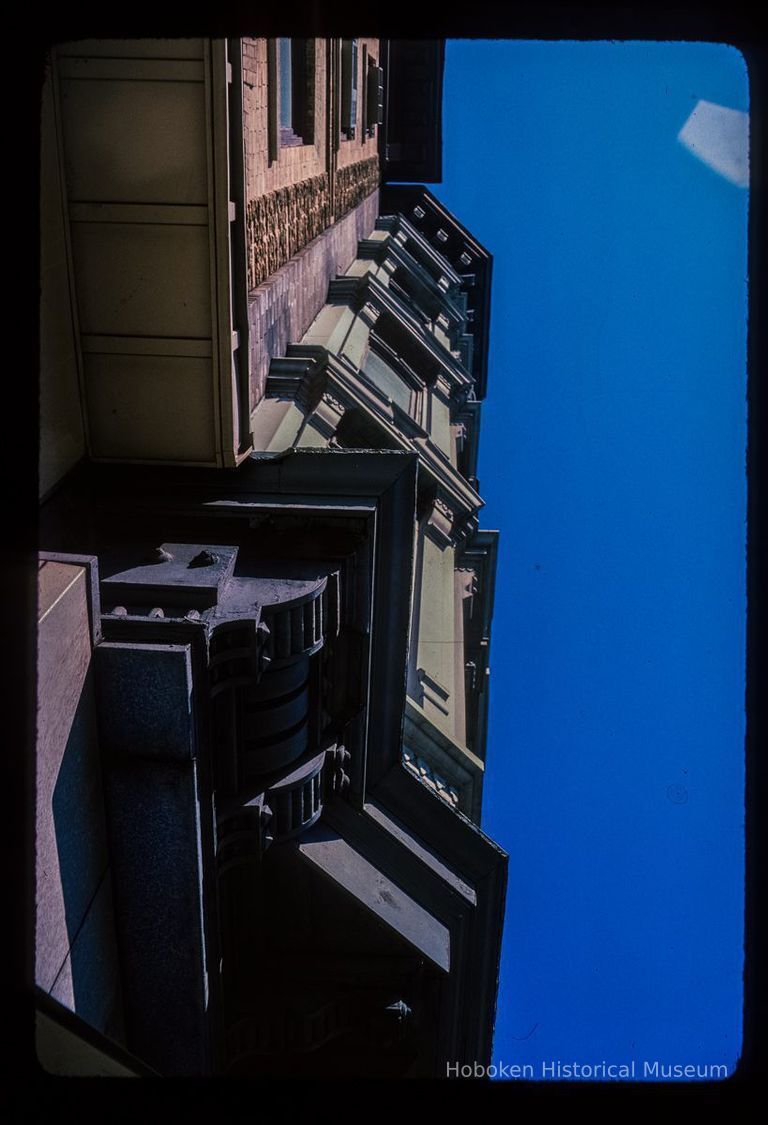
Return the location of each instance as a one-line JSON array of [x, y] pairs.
[[719, 136]]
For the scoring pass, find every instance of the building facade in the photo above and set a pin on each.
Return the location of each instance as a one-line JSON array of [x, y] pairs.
[[265, 600]]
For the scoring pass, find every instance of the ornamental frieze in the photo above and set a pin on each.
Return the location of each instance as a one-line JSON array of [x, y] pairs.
[[355, 183], [280, 223]]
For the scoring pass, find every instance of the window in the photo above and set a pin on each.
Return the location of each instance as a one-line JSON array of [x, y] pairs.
[[291, 71], [285, 70], [388, 381], [348, 87], [388, 369], [374, 103]]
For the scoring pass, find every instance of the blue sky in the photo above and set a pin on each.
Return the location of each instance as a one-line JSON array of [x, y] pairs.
[[612, 460]]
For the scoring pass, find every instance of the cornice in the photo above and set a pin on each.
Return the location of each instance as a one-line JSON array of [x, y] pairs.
[[398, 223], [330, 386], [390, 253], [367, 297], [387, 301], [451, 219]]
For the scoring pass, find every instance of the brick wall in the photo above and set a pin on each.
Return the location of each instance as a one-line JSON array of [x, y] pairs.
[[282, 308], [290, 201], [294, 164], [361, 147]]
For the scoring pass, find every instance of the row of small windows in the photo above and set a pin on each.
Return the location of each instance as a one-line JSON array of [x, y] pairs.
[[291, 84], [372, 90]]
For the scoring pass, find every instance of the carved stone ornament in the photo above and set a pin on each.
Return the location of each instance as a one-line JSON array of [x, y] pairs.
[[327, 414], [421, 769], [443, 507], [441, 522], [370, 313], [335, 403], [284, 810]]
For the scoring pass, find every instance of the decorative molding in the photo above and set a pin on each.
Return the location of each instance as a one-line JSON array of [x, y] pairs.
[[459, 429], [334, 403], [327, 414], [440, 522], [443, 386], [339, 759], [432, 300], [421, 769], [324, 373], [295, 1027], [468, 582], [355, 183], [404, 231], [372, 290], [283, 811], [288, 377], [301, 626], [236, 653], [454, 762], [296, 801], [433, 691], [344, 290], [372, 249], [282, 222], [244, 834], [369, 313], [265, 720], [443, 507]]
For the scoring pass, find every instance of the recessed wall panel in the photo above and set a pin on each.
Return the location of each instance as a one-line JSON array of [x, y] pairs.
[[134, 48], [144, 407], [142, 279], [135, 141]]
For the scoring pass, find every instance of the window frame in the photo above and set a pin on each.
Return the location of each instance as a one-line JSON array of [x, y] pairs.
[[296, 75], [348, 101], [419, 389]]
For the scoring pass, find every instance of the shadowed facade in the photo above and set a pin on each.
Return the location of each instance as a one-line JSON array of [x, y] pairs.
[[265, 601]]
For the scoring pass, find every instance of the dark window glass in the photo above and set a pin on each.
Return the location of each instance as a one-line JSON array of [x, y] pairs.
[[296, 82], [348, 87]]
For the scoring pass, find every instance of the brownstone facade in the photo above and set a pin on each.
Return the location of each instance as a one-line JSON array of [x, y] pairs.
[[264, 604], [293, 164], [293, 191], [280, 308]]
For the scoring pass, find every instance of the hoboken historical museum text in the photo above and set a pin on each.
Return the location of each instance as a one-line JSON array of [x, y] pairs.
[[556, 1070]]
